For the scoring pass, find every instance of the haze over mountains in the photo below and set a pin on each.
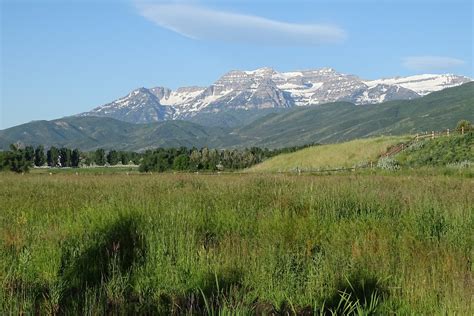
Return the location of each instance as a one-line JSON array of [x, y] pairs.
[[266, 88]]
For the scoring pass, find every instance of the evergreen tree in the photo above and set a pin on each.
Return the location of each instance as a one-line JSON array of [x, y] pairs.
[[15, 159]]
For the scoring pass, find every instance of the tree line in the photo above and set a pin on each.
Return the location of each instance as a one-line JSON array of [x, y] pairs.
[[206, 159], [22, 158]]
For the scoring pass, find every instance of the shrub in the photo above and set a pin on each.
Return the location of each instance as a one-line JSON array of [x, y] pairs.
[[388, 163], [464, 124]]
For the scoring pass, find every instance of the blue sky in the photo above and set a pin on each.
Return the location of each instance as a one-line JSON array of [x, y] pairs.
[[60, 58]]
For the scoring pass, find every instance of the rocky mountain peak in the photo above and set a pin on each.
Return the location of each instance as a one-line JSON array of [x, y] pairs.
[[266, 88]]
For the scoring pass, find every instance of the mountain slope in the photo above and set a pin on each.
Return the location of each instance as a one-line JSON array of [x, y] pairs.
[[139, 106], [328, 123], [422, 84], [266, 88], [89, 133], [344, 121]]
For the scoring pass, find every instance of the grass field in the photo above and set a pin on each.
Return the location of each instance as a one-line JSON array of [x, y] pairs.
[[343, 155], [87, 170], [236, 244]]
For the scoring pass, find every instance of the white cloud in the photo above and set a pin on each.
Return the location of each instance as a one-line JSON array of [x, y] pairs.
[[207, 24], [427, 63]]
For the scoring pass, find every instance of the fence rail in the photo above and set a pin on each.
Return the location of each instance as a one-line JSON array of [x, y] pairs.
[[390, 152], [421, 136]]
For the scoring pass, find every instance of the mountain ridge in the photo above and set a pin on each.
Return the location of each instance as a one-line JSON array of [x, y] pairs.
[[328, 123], [265, 88]]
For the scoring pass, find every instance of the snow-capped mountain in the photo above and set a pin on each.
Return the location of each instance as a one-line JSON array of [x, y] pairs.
[[267, 88], [139, 106], [422, 84]]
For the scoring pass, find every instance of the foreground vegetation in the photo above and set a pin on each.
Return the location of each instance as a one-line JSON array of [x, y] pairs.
[[248, 244], [453, 151]]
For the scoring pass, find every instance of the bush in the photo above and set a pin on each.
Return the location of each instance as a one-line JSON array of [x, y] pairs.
[[438, 152], [388, 163], [461, 165], [464, 124], [16, 160]]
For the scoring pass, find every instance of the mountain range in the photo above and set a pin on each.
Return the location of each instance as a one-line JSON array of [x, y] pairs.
[[266, 89], [251, 126]]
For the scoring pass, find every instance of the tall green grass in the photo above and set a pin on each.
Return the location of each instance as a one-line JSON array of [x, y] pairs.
[[236, 244], [455, 151], [343, 155]]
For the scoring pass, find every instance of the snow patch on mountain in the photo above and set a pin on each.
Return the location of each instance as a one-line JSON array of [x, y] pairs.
[[266, 88], [423, 84]]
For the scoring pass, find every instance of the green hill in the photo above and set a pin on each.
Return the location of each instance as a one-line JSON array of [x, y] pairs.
[[336, 122], [455, 150], [89, 133], [348, 154]]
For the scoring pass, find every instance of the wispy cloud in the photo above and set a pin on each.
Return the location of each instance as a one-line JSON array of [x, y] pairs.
[[197, 22], [430, 63]]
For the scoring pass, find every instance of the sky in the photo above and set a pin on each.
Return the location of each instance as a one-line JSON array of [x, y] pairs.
[[63, 57]]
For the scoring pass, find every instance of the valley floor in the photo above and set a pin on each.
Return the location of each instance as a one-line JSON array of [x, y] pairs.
[[236, 243]]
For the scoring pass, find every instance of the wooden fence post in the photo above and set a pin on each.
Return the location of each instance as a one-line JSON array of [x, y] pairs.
[[447, 132], [416, 137], [432, 134]]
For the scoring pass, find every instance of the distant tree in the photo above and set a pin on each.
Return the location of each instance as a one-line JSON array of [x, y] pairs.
[[226, 159], [195, 160], [65, 157], [182, 158], [112, 157], [181, 162], [163, 160], [15, 159], [99, 157], [3, 163], [213, 159], [52, 156], [464, 124], [40, 158], [124, 157], [148, 162], [29, 152], [205, 160], [75, 158], [88, 158], [135, 158]]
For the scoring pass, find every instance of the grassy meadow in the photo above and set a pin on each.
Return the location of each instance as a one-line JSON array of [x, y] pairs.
[[236, 244], [342, 155]]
